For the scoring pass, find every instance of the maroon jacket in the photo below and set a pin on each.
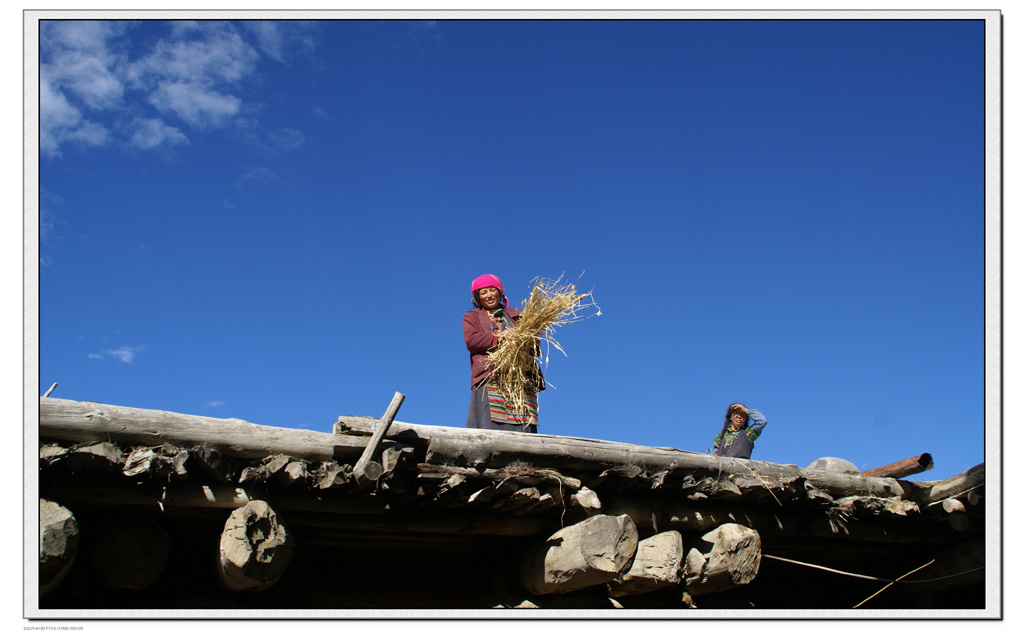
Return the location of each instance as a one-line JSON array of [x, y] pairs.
[[478, 330]]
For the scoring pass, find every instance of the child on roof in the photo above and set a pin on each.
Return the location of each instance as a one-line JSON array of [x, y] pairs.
[[742, 427]]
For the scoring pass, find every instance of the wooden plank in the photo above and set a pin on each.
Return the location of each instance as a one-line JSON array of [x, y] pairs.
[[64, 420]]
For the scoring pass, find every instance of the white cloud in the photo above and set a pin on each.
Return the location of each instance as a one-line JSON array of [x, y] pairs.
[[126, 354], [88, 78], [76, 62], [54, 109], [214, 404], [47, 218], [93, 79], [80, 35], [148, 133], [268, 38], [89, 134], [199, 106], [287, 139], [221, 57], [283, 39], [257, 174], [191, 79], [60, 121]]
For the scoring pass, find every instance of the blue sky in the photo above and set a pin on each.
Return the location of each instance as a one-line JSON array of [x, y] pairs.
[[280, 221]]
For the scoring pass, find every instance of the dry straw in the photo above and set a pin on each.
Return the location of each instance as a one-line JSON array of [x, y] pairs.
[[552, 304]]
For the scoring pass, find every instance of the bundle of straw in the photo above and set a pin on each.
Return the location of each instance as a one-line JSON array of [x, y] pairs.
[[551, 304]]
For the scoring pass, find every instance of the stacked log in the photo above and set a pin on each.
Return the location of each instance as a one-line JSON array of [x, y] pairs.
[[58, 544], [726, 557], [591, 552], [457, 486], [255, 548], [478, 449], [658, 564]]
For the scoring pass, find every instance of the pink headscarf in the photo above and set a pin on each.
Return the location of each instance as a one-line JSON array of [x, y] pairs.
[[489, 281]]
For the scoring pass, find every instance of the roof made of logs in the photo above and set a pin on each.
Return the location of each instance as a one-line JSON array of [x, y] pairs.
[[379, 485]]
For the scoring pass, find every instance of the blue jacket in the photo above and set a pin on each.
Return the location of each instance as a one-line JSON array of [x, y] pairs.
[[740, 443]]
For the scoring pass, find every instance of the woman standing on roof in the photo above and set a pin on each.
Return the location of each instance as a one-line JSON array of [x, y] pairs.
[[488, 322], [742, 426]]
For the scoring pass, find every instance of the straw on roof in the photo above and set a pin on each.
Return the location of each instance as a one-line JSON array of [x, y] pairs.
[[552, 304]]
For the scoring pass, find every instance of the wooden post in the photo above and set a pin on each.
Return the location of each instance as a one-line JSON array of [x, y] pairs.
[[130, 553], [728, 556], [366, 469], [591, 552], [255, 548], [658, 564], [58, 544], [906, 467]]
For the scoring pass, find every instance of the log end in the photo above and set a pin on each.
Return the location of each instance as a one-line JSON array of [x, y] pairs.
[[727, 557], [658, 564], [255, 549], [58, 544], [591, 552]]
